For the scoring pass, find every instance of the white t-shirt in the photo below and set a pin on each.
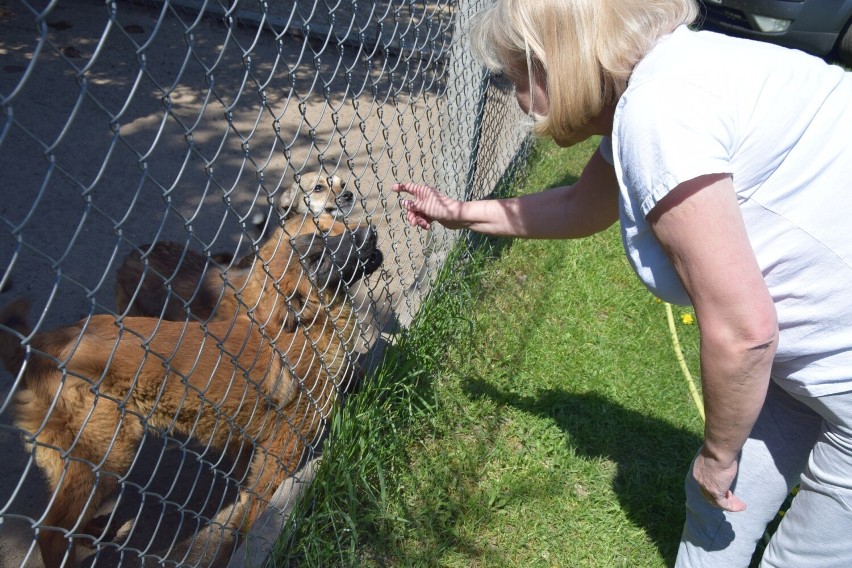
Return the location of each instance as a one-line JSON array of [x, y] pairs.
[[780, 122]]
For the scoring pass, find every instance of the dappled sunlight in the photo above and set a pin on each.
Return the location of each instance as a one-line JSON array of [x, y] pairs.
[[145, 153]]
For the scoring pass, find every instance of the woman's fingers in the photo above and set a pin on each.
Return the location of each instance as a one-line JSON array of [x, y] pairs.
[[729, 502], [414, 214], [425, 205], [715, 481], [414, 189], [732, 503], [416, 219]]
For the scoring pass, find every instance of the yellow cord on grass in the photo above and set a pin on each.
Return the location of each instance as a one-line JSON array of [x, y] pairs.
[[693, 391]]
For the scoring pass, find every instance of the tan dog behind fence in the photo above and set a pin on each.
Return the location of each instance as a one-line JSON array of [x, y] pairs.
[[90, 390], [315, 193]]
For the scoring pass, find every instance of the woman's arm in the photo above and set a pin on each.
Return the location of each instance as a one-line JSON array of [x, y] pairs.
[[588, 206], [700, 226]]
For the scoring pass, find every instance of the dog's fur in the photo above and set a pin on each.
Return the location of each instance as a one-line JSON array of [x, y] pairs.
[[253, 376], [314, 194], [207, 289]]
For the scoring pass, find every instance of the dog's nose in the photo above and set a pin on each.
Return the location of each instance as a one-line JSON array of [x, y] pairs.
[[346, 195]]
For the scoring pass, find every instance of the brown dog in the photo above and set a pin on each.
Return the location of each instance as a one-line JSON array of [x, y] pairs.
[[166, 278], [89, 391]]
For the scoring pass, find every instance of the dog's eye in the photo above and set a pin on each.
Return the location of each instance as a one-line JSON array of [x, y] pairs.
[[318, 189]]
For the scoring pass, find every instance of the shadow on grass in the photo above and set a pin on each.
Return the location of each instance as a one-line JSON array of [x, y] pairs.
[[652, 456]]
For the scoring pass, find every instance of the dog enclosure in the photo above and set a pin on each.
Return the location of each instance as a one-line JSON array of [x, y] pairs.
[[130, 123]]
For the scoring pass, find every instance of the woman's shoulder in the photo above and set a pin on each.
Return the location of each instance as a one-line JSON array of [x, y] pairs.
[[716, 61], [696, 72]]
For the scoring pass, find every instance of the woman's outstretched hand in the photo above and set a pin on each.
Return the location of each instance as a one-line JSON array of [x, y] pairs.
[[424, 204]]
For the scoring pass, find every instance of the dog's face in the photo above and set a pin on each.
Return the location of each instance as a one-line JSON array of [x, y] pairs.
[[342, 258], [316, 193]]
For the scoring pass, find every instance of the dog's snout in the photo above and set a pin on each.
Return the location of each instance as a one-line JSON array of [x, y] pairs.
[[345, 200]]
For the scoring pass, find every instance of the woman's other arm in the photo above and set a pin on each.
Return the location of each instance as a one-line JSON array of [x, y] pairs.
[[700, 226]]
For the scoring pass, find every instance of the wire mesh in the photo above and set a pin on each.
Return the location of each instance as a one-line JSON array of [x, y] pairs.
[[201, 254]]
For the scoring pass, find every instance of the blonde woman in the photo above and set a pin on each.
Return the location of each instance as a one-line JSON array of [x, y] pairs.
[[729, 166]]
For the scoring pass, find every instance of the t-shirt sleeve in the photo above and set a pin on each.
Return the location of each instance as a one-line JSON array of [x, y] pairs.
[[666, 136]]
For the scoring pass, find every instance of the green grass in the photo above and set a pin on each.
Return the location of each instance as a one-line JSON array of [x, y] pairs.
[[534, 415]]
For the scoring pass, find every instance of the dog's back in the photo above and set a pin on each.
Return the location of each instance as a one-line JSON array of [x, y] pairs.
[[169, 281], [162, 279]]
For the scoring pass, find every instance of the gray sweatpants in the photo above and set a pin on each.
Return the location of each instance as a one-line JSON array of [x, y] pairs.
[[796, 440]]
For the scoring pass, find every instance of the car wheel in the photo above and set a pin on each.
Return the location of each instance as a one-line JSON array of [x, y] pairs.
[[844, 46]]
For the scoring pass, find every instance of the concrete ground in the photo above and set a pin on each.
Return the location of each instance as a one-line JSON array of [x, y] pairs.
[[153, 124]]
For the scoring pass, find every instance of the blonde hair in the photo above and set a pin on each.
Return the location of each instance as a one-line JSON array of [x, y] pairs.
[[583, 50]]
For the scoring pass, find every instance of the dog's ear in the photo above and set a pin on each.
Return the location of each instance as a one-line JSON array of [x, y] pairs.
[[288, 202]]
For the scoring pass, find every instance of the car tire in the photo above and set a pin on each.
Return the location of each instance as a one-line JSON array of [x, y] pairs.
[[844, 46]]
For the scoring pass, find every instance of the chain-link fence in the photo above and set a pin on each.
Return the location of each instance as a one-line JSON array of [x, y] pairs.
[[201, 253]]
